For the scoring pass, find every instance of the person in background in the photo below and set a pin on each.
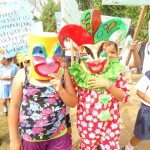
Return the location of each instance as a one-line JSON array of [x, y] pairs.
[[66, 53], [142, 124], [146, 61], [7, 72], [141, 53], [26, 62], [136, 61], [125, 51]]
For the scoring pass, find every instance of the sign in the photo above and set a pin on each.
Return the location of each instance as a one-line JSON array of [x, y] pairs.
[[6, 1], [69, 11], [15, 24], [58, 21], [38, 27], [125, 2]]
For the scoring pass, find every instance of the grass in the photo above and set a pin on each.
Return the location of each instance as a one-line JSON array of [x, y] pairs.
[[4, 135]]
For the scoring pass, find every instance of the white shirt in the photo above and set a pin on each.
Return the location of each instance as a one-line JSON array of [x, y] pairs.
[[143, 86], [68, 45], [146, 62]]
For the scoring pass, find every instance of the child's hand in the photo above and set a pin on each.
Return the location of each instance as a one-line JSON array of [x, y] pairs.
[[98, 82], [16, 145], [134, 46], [56, 82]]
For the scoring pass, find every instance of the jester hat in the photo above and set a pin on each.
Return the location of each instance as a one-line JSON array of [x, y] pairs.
[[91, 29]]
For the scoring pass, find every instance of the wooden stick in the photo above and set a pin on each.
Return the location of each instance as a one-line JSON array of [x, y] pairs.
[[72, 52], [141, 17]]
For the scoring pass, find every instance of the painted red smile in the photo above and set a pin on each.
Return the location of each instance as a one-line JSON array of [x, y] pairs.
[[96, 67]]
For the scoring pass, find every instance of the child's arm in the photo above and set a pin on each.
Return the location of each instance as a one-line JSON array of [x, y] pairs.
[[143, 96], [118, 90], [136, 58], [121, 84], [13, 118], [67, 94]]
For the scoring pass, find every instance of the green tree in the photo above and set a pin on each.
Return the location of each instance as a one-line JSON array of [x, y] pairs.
[[48, 16], [84, 4], [132, 12]]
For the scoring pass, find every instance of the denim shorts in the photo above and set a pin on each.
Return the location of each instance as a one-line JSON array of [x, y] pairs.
[[62, 143], [6, 91], [142, 125]]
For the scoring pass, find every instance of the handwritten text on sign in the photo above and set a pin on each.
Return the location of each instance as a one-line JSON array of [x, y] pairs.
[[14, 28]]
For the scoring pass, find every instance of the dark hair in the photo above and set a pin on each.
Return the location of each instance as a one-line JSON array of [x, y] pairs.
[[8, 59], [114, 44], [131, 31]]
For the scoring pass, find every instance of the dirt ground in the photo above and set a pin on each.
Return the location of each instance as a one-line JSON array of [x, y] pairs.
[[128, 115]]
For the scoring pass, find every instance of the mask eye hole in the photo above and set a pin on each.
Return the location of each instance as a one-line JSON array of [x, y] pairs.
[[39, 50], [87, 50], [83, 56], [103, 53], [57, 50]]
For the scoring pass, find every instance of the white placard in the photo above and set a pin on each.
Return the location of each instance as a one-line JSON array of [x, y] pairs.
[[38, 27], [15, 24], [70, 12], [58, 21], [126, 2]]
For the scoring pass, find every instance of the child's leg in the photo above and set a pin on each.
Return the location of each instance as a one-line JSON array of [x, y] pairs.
[[104, 134], [89, 144], [6, 98], [141, 129], [110, 133], [110, 141], [133, 142], [130, 77], [90, 134], [5, 110]]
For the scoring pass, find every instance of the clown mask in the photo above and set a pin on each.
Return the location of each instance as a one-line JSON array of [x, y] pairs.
[[93, 57], [44, 55]]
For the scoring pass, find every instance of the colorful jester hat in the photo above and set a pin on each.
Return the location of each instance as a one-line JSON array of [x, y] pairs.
[[91, 29], [44, 55]]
